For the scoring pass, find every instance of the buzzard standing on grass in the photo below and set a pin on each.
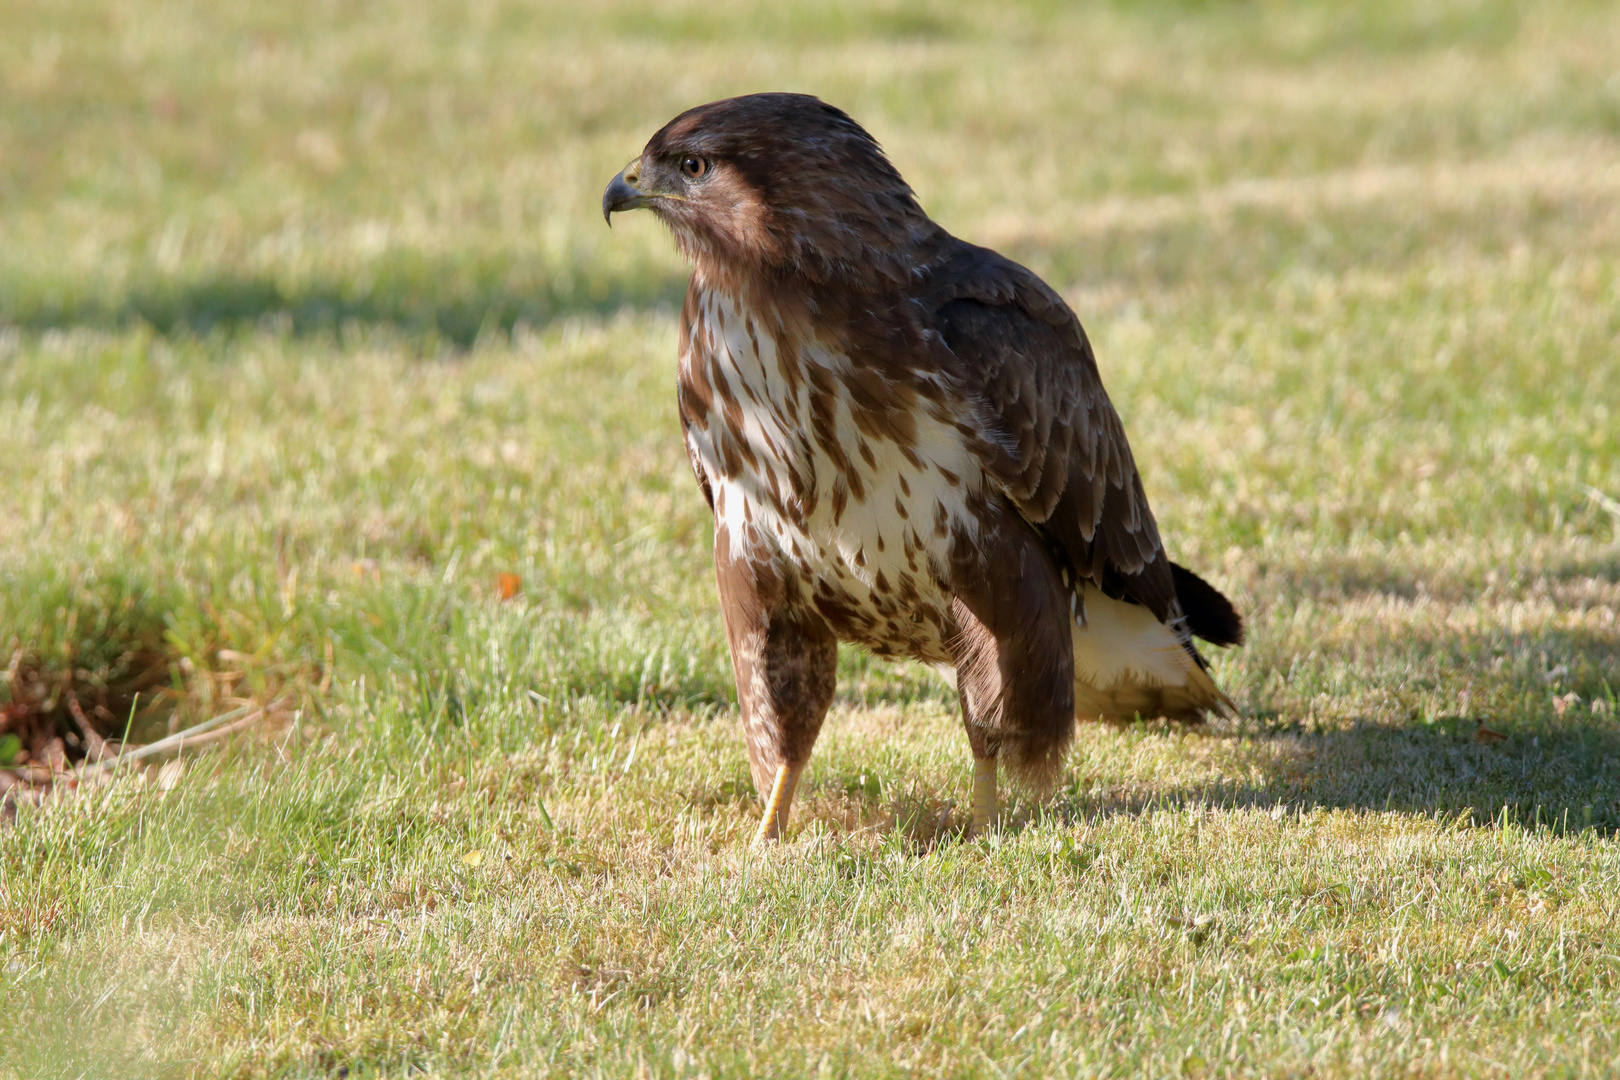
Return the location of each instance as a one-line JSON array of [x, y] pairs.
[[906, 444]]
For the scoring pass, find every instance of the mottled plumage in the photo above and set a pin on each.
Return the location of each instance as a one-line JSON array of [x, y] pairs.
[[906, 443]]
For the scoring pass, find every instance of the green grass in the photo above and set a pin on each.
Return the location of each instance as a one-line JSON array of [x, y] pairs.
[[309, 330]]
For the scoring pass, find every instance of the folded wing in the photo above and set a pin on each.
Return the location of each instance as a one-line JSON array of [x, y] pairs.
[[1060, 450]]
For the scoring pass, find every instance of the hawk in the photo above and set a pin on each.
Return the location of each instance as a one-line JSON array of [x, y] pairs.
[[905, 443]]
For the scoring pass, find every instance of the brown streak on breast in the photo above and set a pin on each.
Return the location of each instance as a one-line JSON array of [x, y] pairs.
[[745, 450], [804, 495], [907, 590], [778, 503], [824, 397], [725, 446], [880, 408], [730, 408]]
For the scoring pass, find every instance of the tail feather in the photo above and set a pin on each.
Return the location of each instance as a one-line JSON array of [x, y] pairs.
[[1210, 696], [1127, 664], [1210, 615]]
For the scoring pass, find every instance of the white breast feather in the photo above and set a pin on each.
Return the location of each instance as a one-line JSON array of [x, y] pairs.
[[776, 422]]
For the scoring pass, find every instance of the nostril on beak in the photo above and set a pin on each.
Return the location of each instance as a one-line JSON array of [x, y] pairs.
[[631, 176]]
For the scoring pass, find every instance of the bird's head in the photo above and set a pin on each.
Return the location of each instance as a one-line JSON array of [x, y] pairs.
[[779, 183]]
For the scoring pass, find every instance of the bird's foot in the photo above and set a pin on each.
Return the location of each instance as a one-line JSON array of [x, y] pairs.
[[774, 822], [986, 806]]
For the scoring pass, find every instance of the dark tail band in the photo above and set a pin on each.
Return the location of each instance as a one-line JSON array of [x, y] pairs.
[[1210, 615]]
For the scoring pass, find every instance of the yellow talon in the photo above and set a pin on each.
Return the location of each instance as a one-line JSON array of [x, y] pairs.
[[774, 823]]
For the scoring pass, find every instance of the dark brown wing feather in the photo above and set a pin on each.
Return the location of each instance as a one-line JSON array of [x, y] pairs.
[[1063, 459]]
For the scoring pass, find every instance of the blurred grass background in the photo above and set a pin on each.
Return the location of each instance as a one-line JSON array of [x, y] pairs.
[[309, 331]]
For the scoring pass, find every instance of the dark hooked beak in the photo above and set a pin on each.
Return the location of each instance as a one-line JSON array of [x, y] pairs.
[[622, 193]]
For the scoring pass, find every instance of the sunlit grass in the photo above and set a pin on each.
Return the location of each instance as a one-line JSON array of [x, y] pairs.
[[310, 331]]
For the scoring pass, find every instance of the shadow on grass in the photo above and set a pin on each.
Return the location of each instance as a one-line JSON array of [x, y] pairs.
[[1338, 577], [1565, 779], [452, 301], [440, 303], [1542, 748]]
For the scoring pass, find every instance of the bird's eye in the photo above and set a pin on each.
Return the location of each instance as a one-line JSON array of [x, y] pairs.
[[694, 167]]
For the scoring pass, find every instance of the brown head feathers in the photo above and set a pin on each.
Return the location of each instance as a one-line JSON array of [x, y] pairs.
[[785, 184]]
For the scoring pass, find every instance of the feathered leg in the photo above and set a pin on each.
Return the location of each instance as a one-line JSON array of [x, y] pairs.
[[1014, 657], [786, 663]]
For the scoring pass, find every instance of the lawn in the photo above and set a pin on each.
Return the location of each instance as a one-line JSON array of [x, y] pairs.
[[328, 403]]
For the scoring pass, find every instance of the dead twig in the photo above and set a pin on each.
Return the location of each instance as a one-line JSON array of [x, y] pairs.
[[206, 732]]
